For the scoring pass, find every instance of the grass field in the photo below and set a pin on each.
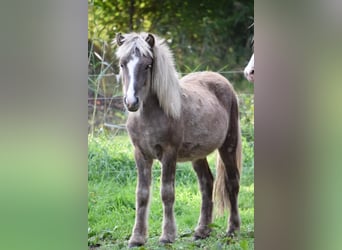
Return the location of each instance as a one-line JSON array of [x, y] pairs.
[[111, 196], [111, 201]]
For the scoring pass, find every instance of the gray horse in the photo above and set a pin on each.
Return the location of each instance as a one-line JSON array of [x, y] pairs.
[[175, 120]]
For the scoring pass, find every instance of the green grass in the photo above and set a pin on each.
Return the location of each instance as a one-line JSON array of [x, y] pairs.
[[111, 202], [111, 196]]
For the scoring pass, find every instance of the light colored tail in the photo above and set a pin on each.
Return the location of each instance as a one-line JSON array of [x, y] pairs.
[[233, 140]]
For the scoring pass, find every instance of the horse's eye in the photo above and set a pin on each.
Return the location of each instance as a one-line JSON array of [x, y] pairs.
[[121, 65], [148, 66]]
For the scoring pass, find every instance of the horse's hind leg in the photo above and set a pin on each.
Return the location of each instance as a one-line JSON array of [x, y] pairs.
[[142, 199], [228, 157], [228, 170], [205, 179]]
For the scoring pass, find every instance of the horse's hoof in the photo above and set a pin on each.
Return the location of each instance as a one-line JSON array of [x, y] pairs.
[[202, 233], [200, 237], [136, 242], [233, 232], [196, 238], [164, 240]]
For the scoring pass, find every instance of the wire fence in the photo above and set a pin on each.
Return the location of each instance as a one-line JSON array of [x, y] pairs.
[[180, 73], [106, 109]]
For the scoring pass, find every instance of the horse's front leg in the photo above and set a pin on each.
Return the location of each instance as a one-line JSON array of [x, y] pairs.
[[168, 197], [144, 166]]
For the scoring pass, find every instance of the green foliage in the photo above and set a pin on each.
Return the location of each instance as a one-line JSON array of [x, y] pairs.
[[206, 33]]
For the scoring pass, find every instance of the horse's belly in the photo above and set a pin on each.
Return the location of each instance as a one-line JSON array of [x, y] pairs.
[[203, 137], [190, 151]]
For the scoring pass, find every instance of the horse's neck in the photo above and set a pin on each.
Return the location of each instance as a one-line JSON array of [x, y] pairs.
[[151, 103]]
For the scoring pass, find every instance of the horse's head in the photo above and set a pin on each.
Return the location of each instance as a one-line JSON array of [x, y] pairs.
[[249, 70], [136, 61]]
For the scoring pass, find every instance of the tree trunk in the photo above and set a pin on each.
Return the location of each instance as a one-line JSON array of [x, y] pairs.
[[131, 14]]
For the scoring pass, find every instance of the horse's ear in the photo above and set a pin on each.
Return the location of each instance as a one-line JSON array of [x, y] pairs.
[[119, 39], [150, 40]]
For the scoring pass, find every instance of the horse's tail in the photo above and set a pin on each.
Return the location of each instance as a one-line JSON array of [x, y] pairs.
[[228, 170]]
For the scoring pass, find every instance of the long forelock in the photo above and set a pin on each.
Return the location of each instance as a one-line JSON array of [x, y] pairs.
[[132, 43], [165, 82]]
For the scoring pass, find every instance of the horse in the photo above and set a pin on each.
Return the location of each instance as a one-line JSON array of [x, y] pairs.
[[249, 69], [176, 120]]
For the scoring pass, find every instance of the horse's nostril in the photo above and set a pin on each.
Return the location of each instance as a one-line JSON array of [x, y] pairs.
[[132, 105], [252, 72]]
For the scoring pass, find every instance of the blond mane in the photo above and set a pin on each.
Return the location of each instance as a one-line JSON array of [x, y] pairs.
[[165, 83]]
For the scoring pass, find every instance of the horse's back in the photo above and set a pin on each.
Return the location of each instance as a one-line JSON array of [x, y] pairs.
[[209, 82], [206, 98], [205, 78]]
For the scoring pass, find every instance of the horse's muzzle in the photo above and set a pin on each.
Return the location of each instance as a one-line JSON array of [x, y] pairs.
[[132, 106]]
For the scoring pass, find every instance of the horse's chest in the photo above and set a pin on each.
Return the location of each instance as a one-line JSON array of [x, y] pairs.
[[151, 137]]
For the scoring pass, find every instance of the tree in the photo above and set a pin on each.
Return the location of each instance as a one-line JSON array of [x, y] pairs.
[[203, 34]]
